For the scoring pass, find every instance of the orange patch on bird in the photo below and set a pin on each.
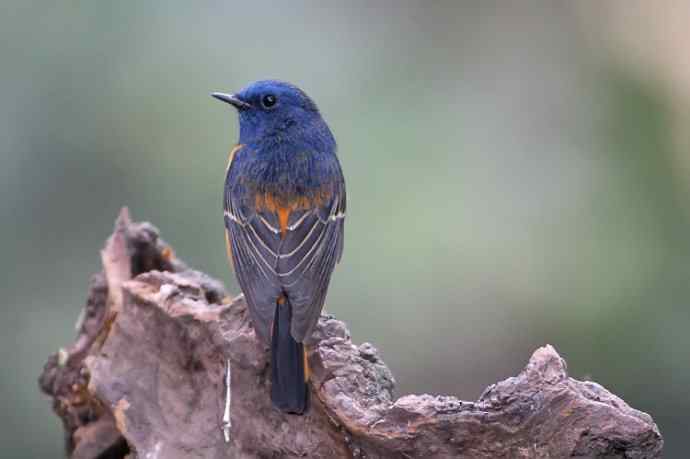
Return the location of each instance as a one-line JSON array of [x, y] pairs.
[[283, 216], [307, 370], [319, 198], [228, 247], [266, 201], [283, 206]]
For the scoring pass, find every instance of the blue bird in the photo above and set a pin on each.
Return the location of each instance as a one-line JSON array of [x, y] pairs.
[[284, 210]]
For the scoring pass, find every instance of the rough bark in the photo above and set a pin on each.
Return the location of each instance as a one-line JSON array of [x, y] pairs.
[[145, 378]]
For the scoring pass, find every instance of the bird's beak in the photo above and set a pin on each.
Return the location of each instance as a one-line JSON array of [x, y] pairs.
[[231, 99]]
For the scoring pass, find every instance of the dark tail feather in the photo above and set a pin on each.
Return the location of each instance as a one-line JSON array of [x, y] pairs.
[[289, 391]]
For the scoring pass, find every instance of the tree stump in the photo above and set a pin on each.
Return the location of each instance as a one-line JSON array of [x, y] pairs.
[[145, 378]]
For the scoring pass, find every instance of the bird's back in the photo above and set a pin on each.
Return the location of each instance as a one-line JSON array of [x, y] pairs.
[[285, 204]]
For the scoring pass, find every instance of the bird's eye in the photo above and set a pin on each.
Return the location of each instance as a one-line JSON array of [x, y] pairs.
[[268, 101]]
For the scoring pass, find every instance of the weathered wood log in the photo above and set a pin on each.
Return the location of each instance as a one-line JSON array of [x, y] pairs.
[[145, 378]]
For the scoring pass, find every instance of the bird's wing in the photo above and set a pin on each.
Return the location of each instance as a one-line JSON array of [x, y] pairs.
[[253, 260], [312, 245], [285, 250]]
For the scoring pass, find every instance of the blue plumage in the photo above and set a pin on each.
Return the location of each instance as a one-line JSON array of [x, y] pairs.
[[290, 149]]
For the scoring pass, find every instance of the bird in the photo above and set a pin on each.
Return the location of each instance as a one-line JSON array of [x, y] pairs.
[[284, 208]]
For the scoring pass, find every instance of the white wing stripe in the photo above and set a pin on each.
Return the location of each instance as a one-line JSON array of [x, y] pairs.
[[304, 240], [314, 246], [268, 225], [295, 225], [261, 241]]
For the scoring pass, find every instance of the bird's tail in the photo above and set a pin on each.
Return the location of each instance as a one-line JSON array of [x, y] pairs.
[[289, 372]]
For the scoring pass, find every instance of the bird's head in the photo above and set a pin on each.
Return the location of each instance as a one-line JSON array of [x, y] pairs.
[[271, 109]]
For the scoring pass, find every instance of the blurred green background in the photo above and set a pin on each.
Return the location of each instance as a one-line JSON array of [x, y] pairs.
[[517, 175]]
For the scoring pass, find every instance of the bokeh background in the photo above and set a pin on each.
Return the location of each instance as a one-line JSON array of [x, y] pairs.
[[517, 175]]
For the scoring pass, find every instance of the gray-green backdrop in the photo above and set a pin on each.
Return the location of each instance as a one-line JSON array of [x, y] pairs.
[[513, 180]]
